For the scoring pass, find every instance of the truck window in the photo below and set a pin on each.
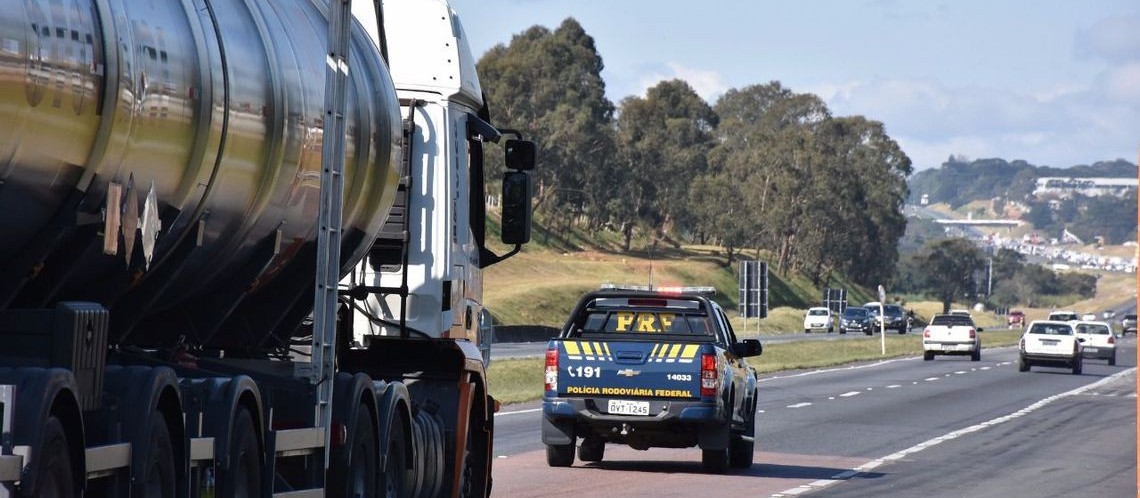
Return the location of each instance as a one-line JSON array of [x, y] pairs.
[[644, 323]]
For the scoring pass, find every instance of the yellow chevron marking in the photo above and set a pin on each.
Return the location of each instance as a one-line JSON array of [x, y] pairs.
[[572, 348], [690, 351], [587, 349], [676, 351]]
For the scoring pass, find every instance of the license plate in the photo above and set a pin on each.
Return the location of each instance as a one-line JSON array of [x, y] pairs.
[[1048, 342], [623, 407], [1091, 350]]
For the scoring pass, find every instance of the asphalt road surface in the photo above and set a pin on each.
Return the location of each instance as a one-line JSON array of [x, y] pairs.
[[904, 427]]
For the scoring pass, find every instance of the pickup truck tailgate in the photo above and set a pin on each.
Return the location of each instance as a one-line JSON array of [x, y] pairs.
[[629, 369]]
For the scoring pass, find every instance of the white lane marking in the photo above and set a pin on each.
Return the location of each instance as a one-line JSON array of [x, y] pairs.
[[759, 411], [866, 467], [799, 405], [930, 379], [516, 412], [892, 386], [960, 372], [840, 369], [984, 368], [849, 394], [870, 389], [831, 397]]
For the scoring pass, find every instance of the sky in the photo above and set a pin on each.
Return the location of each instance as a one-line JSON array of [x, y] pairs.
[[1055, 83]]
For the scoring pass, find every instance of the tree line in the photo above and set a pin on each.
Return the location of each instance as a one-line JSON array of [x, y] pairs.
[[762, 168]]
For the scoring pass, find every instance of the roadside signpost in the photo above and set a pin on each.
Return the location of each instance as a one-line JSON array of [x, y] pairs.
[[882, 321]]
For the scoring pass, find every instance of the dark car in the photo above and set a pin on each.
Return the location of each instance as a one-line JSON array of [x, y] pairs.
[[1128, 324], [856, 319], [894, 317]]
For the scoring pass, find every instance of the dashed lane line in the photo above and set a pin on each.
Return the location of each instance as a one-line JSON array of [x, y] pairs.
[[866, 467]]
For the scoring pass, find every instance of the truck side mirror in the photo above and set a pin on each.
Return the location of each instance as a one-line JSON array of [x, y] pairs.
[[520, 154], [748, 347], [516, 206]]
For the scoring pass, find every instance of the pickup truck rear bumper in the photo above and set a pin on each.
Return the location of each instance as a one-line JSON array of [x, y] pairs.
[[671, 424], [1050, 359]]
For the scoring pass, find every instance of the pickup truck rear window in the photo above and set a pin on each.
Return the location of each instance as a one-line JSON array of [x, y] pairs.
[[952, 320], [1092, 329], [1051, 329], [644, 322]]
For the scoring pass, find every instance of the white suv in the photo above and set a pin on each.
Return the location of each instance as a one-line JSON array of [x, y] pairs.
[[818, 319], [1050, 343]]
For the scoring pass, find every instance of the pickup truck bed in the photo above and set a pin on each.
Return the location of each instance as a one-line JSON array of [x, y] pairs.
[[648, 370]]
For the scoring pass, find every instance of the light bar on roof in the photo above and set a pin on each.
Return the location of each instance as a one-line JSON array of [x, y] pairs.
[[625, 302], [705, 290]]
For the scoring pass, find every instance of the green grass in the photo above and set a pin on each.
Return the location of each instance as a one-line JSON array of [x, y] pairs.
[[516, 381]]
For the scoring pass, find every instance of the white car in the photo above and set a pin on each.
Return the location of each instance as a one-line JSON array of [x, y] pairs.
[[1088, 317], [951, 334], [1064, 316], [1100, 340], [1050, 343], [818, 318]]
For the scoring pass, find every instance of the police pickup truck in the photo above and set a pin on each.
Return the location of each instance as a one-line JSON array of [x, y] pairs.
[[650, 369]]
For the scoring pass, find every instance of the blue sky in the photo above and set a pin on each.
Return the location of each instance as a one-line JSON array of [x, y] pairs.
[[1052, 82]]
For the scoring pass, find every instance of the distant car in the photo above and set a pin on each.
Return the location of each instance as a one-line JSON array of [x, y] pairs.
[[1088, 317], [1100, 341], [1128, 324], [818, 319], [894, 317], [1064, 316], [1050, 343], [960, 312], [1108, 315], [951, 335], [856, 319], [1016, 318]]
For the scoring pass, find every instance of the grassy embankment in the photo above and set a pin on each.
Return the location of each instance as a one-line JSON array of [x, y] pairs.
[[542, 284]]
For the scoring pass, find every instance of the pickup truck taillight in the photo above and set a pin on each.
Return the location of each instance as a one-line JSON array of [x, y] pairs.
[[551, 383], [926, 333], [1111, 339], [973, 333], [708, 375]]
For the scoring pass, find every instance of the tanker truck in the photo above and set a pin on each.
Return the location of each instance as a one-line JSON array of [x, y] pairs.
[[241, 249]]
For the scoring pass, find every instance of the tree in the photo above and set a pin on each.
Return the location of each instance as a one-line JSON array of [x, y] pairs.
[[949, 266], [549, 86], [662, 141]]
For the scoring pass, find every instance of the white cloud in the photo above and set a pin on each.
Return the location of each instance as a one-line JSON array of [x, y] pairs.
[[1112, 38], [708, 84]]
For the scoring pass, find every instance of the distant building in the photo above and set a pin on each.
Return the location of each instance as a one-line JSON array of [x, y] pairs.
[[1084, 186]]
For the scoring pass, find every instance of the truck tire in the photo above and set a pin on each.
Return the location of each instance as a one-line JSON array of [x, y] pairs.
[[742, 446], [592, 450], [245, 458], [976, 355], [1022, 365], [1078, 366], [159, 480], [55, 478], [360, 478], [1112, 360], [715, 461], [394, 479], [927, 355], [560, 455]]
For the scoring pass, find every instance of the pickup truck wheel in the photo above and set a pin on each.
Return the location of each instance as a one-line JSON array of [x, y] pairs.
[[1078, 366], [1112, 360], [976, 355], [807, 331], [927, 355], [591, 451], [841, 331], [560, 455], [715, 461], [1022, 365], [867, 332]]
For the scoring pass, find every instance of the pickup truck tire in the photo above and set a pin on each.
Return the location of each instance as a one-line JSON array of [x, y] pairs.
[[715, 461], [867, 332], [1112, 360], [927, 355], [976, 355], [807, 331], [1078, 366], [591, 451], [742, 446], [1022, 365], [560, 455]]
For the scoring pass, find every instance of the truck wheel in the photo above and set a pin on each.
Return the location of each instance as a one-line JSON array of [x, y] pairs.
[[1022, 365], [867, 332], [976, 355], [560, 455], [715, 461], [245, 458], [1078, 366], [393, 481], [55, 477], [1112, 360], [927, 355], [359, 479], [807, 331], [592, 450], [159, 480]]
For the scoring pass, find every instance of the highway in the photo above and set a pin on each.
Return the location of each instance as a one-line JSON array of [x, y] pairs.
[[904, 427]]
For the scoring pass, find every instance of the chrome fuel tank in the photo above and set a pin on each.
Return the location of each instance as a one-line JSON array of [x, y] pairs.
[[162, 157]]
